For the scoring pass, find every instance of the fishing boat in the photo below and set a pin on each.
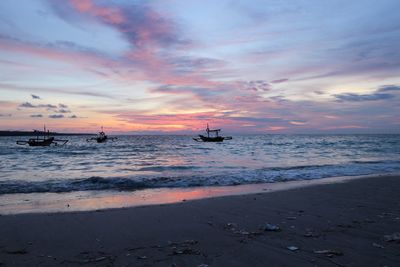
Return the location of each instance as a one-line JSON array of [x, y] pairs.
[[42, 139], [101, 137], [215, 137]]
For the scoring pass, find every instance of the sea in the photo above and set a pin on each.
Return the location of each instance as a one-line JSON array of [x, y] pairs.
[[88, 175]]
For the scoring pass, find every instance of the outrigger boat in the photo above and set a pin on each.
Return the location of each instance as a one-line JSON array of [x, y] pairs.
[[215, 138], [101, 137], [46, 140]]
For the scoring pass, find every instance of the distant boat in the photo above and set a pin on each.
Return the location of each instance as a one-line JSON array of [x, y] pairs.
[[101, 137], [44, 140], [215, 138]]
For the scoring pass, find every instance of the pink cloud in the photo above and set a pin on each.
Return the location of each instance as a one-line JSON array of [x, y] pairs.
[[108, 14], [53, 53], [297, 122], [149, 33]]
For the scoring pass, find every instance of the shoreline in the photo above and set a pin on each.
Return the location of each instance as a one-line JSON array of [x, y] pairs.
[[104, 200], [331, 224]]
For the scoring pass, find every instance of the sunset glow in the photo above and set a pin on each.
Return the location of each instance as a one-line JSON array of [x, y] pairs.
[[173, 66]]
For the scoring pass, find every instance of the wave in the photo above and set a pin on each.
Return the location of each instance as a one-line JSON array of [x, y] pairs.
[[61, 186], [199, 178], [167, 168]]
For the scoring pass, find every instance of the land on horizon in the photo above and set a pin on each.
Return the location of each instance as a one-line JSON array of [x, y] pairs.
[[35, 133]]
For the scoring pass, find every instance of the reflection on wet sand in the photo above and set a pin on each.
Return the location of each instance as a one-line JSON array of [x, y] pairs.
[[92, 200]]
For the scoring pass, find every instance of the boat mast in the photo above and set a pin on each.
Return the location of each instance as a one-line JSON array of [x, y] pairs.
[[48, 132]]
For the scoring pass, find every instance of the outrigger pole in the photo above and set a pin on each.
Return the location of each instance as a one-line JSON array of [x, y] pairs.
[[45, 141], [208, 138], [101, 137]]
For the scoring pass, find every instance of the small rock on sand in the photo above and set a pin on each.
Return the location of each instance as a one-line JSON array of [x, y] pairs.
[[272, 227], [17, 251], [377, 245], [395, 237], [329, 252], [292, 248]]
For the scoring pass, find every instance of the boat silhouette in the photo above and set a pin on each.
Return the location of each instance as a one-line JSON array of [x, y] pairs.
[[42, 139], [101, 137], [215, 138]]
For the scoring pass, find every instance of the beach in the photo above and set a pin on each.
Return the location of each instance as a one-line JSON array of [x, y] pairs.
[[350, 223]]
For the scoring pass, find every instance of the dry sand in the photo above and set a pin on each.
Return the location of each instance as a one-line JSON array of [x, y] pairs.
[[341, 224]]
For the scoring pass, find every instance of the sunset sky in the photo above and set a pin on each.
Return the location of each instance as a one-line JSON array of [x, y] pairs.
[[171, 66]]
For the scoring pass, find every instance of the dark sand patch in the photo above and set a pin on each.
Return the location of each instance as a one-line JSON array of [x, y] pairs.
[[341, 224]]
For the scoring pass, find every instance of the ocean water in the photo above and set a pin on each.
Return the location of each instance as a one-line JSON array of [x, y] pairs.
[[135, 163]]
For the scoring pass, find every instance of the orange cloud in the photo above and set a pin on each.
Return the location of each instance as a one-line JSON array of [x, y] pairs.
[[276, 128]]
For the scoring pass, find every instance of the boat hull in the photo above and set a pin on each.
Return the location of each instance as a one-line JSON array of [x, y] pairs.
[[211, 139], [45, 142], [101, 139]]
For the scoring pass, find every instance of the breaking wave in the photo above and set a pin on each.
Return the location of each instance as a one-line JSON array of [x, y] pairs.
[[233, 177]]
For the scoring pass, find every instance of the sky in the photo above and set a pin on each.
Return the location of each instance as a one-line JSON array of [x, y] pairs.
[[172, 66]]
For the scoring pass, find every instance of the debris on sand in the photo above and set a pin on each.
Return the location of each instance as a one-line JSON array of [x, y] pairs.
[[142, 257], [17, 251], [202, 265], [185, 247], [190, 242], [272, 227], [329, 252], [242, 232], [292, 248], [90, 260], [377, 245], [395, 237], [255, 233], [310, 233], [344, 225], [186, 242], [85, 257], [231, 226], [187, 250], [96, 259]]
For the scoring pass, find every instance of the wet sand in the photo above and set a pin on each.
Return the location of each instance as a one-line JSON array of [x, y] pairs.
[[343, 224]]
